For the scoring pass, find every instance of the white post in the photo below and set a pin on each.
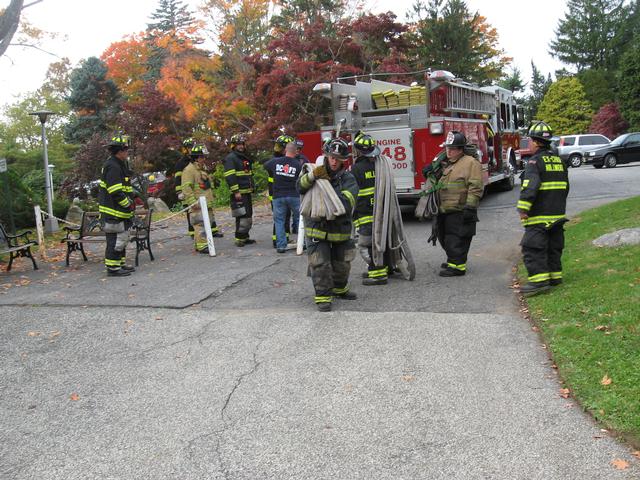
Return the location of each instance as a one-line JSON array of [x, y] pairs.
[[206, 223], [40, 232], [300, 239]]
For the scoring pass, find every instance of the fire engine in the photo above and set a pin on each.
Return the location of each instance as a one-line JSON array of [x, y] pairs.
[[409, 123]]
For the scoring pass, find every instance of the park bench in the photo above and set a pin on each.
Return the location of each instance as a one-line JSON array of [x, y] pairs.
[[90, 231], [16, 246]]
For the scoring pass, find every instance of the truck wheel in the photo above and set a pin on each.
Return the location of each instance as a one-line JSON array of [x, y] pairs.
[[575, 160]]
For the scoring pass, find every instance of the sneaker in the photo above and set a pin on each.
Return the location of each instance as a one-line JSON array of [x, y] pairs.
[[349, 295], [451, 272], [324, 306], [118, 273], [127, 268], [374, 281], [281, 250], [531, 289], [249, 241], [554, 282]]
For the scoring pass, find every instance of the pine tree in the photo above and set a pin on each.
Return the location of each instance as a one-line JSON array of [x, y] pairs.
[[171, 16], [585, 35], [95, 100], [565, 107], [629, 85], [513, 81]]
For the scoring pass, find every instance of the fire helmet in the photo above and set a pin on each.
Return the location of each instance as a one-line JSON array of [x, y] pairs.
[[118, 142], [455, 139], [540, 131], [189, 143], [338, 148], [366, 146], [237, 139], [199, 151]]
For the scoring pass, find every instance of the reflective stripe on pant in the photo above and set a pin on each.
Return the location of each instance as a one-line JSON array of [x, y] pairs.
[[115, 250], [200, 236], [329, 267], [455, 237], [244, 223], [542, 252]]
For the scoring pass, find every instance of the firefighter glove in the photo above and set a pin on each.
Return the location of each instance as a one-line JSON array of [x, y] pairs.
[[320, 172], [470, 215]]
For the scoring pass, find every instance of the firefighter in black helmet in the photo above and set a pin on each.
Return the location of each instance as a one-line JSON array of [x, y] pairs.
[[238, 174], [542, 206], [330, 247], [181, 164], [116, 206], [460, 193]]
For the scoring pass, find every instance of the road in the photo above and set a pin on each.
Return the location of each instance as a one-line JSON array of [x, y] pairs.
[[221, 368]]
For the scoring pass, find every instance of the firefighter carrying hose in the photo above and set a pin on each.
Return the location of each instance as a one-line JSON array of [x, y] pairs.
[[238, 174], [364, 171], [329, 245], [116, 206], [460, 189], [181, 164], [196, 182], [542, 206]]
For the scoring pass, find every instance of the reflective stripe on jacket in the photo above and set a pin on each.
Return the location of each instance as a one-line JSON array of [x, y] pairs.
[[115, 196], [461, 184], [238, 172], [196, 183], [364, 171]]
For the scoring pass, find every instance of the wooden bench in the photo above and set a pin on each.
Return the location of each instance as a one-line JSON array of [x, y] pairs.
[[16, 246], [90, 231]]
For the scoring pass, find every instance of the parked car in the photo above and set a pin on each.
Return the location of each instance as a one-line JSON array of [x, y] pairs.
[[624, 149], [571, 148], [524, 151]]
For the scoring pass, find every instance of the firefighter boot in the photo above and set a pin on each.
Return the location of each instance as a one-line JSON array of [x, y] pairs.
[[533, 288], [554, 282], [118, 273], [451, 272], [344, 293], [324, 306], [127, 268]]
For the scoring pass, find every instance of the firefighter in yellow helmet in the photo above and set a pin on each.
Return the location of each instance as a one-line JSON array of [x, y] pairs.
[[196, 182], [181, 164], [238, 172]]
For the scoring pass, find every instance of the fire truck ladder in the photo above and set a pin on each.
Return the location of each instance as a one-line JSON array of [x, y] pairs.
[[467, 99]]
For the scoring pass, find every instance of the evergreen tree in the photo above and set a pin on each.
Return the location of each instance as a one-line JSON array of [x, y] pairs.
[[600, 87], [629, 85], [513, 81], [585, 35], [565, 107], [171, 16], [539, 87], [95, 100], [447, 35]]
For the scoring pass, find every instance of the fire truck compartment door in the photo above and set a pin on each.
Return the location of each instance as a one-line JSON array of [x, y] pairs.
[[396, 144]]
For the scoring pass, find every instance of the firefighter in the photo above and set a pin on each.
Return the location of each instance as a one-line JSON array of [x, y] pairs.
[[364, 171], [461, 188], [196, 182], [279, 146], [238, 174], [116, 206], [542, 206], [181, 164], [330, 248]]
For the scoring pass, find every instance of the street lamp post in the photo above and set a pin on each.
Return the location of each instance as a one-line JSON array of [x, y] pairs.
[[50, 223]]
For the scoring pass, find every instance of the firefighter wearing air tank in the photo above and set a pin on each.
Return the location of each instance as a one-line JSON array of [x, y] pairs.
[[197, 183], [460, 192], [181, 164], [364, 171], [542, 206], [116, 206], [329, 244], [239, 176]]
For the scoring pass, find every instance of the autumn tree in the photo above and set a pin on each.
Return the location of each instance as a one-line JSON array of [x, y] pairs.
[[94, 100], [565, 107], [585, 35], [445, 34], [127, 63], [609, 121]]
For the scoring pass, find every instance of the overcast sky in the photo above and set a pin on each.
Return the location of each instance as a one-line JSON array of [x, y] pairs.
[[90, 26]]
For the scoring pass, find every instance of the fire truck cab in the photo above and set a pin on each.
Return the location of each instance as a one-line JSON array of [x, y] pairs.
[[409, 123]]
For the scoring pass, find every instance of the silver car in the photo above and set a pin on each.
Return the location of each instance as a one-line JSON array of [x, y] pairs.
[[571, 148]]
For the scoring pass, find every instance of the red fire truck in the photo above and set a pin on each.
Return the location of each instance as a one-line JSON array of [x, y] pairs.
[[410, 123]]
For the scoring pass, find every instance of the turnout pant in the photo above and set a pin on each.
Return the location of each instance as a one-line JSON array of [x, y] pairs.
[[455, 237], [200, 235], [243, 223], [542, 251], [373, 270], [117, 235], [329, 267]]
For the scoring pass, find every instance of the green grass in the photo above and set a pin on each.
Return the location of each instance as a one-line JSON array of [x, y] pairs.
[[592, 322]]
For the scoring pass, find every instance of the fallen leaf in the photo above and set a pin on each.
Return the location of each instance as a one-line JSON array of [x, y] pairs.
[[564, 392], [158, 318], [602, 328], [408, 378], [636, 454], [53, 335], [34, 333], [74, 397], [606, 380], [620, 464]]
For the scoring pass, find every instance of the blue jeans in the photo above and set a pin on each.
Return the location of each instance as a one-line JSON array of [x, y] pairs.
[[280, 208]]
